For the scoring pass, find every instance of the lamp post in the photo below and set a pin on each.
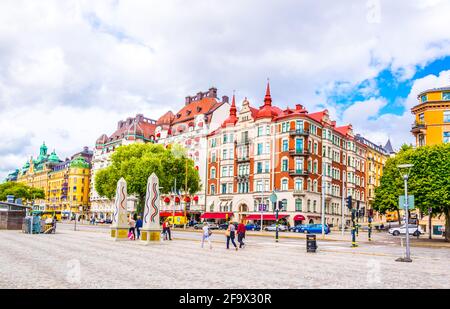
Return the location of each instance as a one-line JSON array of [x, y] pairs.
[[404, 172]]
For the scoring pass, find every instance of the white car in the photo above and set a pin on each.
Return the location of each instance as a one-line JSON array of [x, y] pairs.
[[273, 227], [414, 230]]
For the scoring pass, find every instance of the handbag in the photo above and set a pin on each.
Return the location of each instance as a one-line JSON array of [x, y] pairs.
[[209, 232], [227, 233]]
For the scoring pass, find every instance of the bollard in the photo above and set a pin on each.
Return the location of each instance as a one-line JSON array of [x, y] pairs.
[[311, 243]]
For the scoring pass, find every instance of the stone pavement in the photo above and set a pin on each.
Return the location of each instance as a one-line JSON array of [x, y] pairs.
[[89, 259]]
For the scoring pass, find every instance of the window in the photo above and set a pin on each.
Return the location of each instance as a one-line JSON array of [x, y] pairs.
[[259, 167], [298, 205], [299, 185], [224, 188], [267, 130], [266, 166], [259, 149], [447, 137], [446, 96], [421, 117], [260, 131], [284, 165], [284, 185], [213, 173], [224, 154], [213, 190], [267, 150], [285, 146], [423, 98], [446, 116]]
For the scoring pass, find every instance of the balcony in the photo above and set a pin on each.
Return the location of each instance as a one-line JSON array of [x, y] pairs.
[[299, 192], [243, 142], [299, 152], [418, 127], [299, 132], [243, 159], [298, 173]]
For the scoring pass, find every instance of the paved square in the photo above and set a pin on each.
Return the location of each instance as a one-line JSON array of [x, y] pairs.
[[90, 259]]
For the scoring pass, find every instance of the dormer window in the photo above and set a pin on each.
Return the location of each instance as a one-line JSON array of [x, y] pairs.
[[178, 115], [188, 112], [198, 109]]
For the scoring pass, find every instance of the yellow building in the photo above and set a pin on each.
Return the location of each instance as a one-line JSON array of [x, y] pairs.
[[69, 186], [432, 123], [432, 127], [376, 156], [65, 183]]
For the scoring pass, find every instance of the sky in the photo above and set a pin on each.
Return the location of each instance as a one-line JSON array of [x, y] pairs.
[[70, 70]]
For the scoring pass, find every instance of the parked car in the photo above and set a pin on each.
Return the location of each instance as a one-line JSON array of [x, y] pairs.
[[224, 226], [314, 229], [212, 226], [108, 221], [297, 229], [273, 227], [414, 230], [252, 227]]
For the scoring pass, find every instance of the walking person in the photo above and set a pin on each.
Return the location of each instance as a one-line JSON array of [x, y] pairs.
[[231, 234], [241, 234], [168, 234], [206, 235], [138, 227], [131, 230]]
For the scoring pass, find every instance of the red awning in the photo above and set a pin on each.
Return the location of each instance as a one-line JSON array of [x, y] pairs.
[[267, 217], [216, 215], [299, 218], [170, 213]]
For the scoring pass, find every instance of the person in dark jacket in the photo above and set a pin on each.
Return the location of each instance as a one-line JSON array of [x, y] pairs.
[[138, 226]]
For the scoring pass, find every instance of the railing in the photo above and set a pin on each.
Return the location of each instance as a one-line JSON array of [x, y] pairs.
[[243, 159], [299, 152], [298, 173], [299, 132]]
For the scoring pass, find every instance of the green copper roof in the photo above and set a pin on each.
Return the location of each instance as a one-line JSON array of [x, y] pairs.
[[53, 158], [79, 162]]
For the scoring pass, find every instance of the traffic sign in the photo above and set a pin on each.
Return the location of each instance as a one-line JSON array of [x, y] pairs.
[[401, 202], [273, 197]]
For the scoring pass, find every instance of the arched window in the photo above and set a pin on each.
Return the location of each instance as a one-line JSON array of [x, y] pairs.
[[284, 204], [299, 184], [284, 185], [213, 173], [315, 186], [314, 206]]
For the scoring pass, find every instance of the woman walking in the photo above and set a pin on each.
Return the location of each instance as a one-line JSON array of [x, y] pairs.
[[206, 235], [231, 233], [131, 230], [241, 234]]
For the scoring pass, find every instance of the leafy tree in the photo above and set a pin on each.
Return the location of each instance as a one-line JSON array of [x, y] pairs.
[[136, 162], [429, 181], [20, 190]]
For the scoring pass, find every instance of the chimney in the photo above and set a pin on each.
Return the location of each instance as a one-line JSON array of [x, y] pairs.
[[139, 117], [212, 93], [199, 96], [225, 99], [188, 100], [119, 124], [298, 107]]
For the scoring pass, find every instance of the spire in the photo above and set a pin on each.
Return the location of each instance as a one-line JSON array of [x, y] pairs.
[[233, 106], [388, 147], [268, 97]]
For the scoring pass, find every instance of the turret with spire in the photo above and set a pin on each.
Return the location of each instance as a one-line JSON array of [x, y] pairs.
[[232, 119]]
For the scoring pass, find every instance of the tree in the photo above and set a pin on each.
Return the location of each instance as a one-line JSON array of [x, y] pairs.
[[136, 162], [429, 181], [20, 190]]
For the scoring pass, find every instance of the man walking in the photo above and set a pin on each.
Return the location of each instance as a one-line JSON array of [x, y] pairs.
[[138, 227], [231, 234], [241, 234]]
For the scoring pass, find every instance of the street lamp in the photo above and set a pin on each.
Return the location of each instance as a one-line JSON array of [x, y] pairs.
[[404, 172]]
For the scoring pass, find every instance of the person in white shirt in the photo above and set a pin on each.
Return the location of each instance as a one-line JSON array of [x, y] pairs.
[[206, 235]]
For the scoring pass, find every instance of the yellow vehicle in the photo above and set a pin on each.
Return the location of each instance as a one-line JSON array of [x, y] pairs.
[[391, 216], [45, 214], [179, 220]]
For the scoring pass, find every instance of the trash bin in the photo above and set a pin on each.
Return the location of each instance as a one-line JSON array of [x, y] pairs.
[[311, 243]]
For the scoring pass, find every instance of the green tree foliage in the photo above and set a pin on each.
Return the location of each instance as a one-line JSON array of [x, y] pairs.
[[19, 190], [429, 181], [136, 162]]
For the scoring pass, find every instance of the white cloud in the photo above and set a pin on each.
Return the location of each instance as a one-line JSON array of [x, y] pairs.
[[74, 68]]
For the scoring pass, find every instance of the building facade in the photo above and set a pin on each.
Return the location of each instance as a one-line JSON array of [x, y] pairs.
[[189, 127], [132, 130], [69, 184], [432, 117], [295, 154]]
